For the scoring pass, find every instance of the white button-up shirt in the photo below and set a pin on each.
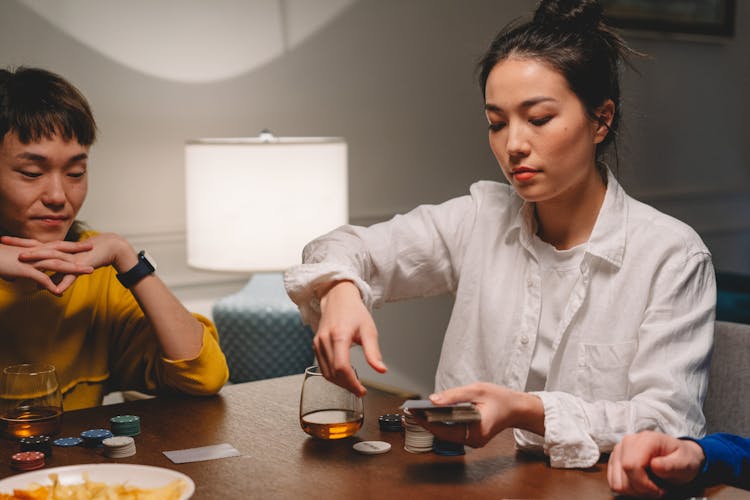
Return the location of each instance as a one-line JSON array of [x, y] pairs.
[[632, 348]]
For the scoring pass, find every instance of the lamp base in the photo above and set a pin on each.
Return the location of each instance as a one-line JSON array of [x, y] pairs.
[[261, 332]]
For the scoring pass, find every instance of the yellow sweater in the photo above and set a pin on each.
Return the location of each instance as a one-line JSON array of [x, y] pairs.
[[99, 340]]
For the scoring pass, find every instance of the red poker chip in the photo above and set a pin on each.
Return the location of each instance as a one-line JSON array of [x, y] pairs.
[[27, 460], [28, 456]]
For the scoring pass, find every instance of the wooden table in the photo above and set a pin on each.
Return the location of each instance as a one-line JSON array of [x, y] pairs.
[[279, 460]]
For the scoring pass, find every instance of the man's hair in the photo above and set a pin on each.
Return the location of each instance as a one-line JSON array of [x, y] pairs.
[[37, 104]]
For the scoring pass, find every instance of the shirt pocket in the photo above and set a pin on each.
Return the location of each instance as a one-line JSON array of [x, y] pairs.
[[603, 370]]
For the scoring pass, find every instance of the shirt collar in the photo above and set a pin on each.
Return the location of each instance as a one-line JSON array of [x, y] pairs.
[[607, 240]]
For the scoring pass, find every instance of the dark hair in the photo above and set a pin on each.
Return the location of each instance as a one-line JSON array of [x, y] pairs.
[[38, 104], [572, 37]]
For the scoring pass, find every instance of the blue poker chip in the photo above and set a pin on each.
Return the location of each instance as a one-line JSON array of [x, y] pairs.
[[448, 449], [96, 434], [67, 441], [92, 438]]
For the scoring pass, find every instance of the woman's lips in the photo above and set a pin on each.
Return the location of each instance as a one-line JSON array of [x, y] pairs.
[[524, 173]]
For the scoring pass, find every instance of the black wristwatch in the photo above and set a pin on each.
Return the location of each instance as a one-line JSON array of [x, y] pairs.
[[145, 266]]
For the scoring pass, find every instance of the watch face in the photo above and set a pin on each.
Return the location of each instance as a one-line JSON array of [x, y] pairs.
[[146, 256]]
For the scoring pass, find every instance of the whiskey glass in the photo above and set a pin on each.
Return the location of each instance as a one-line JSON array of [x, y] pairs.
[[30, 401], [327, 411]]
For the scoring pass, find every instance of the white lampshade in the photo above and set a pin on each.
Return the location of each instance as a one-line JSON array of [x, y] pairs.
[[253, 203]]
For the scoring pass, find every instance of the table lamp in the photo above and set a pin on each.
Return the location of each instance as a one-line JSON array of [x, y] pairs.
[[252, 205]]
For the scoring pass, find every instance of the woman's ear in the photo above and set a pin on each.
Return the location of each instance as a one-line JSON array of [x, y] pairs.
[[604, 116]]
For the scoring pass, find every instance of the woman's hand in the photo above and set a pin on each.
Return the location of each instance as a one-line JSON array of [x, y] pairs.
[[500, 408], [345, 321], [676, 461], [30, 259]]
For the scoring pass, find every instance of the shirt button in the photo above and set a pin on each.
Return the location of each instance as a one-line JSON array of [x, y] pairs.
[[524, 339], [529, 283]]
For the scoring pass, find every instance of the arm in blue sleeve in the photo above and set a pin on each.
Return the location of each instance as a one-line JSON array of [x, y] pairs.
[[727, 460]]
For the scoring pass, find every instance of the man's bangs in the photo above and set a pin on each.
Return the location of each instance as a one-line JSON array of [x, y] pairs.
[[40, 126]]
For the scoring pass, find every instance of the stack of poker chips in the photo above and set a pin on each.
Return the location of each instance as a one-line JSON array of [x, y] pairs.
[[37, 443], [417, 439], [27, 460], [119, 446], [125, 425], [67, 442], [390, 422], [93, 438], [448, 449]]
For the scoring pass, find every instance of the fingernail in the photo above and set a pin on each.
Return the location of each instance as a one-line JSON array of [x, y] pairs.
[[436, 398]]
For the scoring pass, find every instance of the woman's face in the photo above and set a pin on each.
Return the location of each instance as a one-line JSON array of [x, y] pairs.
[[42, 186], [540, 133]]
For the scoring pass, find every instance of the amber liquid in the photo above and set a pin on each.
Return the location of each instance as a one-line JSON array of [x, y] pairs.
[[332, 424], [25, 422]]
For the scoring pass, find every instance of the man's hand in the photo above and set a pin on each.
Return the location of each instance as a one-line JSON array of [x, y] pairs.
[[23, 258], [676, 461]]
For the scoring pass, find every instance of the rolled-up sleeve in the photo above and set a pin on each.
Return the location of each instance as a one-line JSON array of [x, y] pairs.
[[203, 375]]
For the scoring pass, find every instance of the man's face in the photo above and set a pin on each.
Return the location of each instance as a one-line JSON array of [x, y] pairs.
[[42, 186]]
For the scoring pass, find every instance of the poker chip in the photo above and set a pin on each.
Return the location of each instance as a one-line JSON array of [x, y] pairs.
[[27, 460], [125, 425], [448, 449], [92, 438], [36, 443], [417, 439], [67, 442], [372, 447], [119, 446], [390, 422]]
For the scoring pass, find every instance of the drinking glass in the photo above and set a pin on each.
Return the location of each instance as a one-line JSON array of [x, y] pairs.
[[30, 401], [327, 411]]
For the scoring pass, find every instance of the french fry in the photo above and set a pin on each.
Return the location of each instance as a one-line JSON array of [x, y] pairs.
[[94, 490]]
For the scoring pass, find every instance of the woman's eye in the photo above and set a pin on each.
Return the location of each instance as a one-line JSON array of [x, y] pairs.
[[76, 175], [540, 121], [30, 175], [496, 126]]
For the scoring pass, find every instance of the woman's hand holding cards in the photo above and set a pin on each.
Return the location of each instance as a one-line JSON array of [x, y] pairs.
[[499, 407]]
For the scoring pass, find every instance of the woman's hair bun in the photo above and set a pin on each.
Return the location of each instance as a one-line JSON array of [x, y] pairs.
[[580, 15]]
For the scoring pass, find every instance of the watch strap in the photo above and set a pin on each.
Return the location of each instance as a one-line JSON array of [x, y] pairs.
[[143, 268]]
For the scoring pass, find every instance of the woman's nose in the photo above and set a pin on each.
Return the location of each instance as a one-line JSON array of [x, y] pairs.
[[517, 143]]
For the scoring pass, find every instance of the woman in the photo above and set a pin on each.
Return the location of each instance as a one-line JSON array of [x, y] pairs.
[[84, 302], [580, 314]]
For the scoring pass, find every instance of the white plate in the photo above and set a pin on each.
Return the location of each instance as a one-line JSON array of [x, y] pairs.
[[141, 476]]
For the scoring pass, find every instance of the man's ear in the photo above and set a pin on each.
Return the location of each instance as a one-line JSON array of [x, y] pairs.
[[604, 116]]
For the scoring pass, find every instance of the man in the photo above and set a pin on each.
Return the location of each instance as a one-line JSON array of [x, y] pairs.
[[649, 464], [85, 302]]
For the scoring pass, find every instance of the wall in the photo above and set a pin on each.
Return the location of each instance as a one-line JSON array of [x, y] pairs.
[[686, 146], [396, 80]]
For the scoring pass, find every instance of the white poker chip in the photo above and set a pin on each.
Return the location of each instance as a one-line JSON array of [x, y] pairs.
[[119, 447], [372, 447]]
